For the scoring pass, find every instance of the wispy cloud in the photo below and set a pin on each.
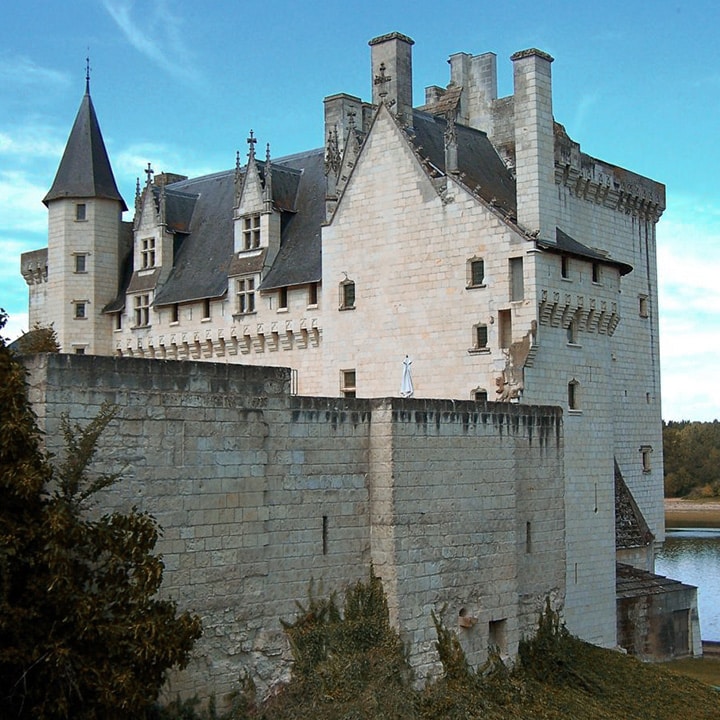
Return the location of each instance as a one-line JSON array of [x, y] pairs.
[[31, 141], [130, 162], [20, 203], [22, 71], [157, 35]]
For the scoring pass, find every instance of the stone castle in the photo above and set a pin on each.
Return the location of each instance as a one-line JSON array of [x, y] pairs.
[[471, 237]]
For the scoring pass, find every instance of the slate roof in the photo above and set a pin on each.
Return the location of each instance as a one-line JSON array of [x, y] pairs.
[[200, 211], [480, 167], [84, 170], [565, 245], [299, 260], [631, 528], [632, 582]]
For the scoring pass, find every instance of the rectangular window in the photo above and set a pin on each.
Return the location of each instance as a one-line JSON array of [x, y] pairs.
[[206, 309], [118, 321], [283, 298], [645, 452], [80, 311], [175, 313], [312, 294], [643, 306], [347, 295], [505, 328], [79, 350], [596, 272], [528, 537], [251, 232], [80, 263], [246, 295], [573, 395], [481, 337], [480, 396], [564, 267], [476, 273], [325, 534], [142, 310], [517, 283], [81, 211], [347, 383], [147, 253], [572, 332]]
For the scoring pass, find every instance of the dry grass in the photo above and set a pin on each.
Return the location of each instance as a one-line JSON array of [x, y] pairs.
[[706, 670]]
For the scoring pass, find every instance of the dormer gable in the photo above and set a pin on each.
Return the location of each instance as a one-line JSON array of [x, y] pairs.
[[256, 221]]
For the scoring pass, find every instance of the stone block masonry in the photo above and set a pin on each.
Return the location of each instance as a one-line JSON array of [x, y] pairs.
[[458, 505]]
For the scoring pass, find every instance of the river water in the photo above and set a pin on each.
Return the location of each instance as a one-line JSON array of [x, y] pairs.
[[692, 555]]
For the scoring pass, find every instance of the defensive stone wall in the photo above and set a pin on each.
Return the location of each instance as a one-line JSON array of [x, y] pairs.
[[458, 506]]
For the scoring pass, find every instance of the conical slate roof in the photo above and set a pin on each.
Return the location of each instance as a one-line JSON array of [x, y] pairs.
[[85, 170]]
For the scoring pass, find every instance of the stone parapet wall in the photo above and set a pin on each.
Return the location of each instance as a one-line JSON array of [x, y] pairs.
[[260, 493]]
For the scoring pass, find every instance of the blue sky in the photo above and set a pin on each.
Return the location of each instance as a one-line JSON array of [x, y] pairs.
[[180, 84]]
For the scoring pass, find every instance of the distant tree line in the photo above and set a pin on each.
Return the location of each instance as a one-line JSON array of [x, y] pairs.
[[692, 458]]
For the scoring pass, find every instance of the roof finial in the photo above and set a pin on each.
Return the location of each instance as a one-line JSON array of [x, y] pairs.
[[252, 141], [149, 172], [87, 73]]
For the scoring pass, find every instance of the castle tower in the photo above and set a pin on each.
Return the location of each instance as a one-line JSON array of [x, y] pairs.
[[84, 231]]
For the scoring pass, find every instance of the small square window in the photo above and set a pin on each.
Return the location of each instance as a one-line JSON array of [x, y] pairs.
[[80, 263], [480, 395], [81, 211], [348, 383], [79, 350]]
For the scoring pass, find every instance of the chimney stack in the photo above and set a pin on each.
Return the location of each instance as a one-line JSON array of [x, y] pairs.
[[391, 60], [534, 143]]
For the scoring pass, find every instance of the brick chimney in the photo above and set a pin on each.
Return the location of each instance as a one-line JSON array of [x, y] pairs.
[[537, 206], [391, 66]]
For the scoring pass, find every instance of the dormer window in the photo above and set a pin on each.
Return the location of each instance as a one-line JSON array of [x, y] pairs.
[[245, 295], [142, 310], [251, 232], [147, 253]]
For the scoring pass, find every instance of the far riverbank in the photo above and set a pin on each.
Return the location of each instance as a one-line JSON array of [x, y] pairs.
[[681, 511]]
